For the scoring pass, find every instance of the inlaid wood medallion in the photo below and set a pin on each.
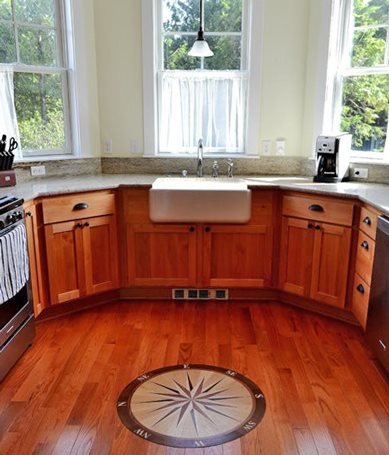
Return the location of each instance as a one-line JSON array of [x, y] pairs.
[[191, 406]]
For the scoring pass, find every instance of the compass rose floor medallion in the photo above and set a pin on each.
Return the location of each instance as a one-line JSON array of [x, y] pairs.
[[191, 406]]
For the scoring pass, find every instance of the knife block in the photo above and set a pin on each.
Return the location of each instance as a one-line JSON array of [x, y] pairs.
[[7, 178]]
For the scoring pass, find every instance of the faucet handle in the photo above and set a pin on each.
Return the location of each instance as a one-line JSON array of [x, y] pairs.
[[230, 168], [215, 169]]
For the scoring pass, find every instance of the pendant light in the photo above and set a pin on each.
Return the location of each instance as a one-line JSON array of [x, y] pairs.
[[200, 47]]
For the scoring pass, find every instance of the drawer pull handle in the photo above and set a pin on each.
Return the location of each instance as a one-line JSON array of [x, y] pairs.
[[81, 206], [382, 344], [316, 208], [367, 220], [365, 245], [360, 288]]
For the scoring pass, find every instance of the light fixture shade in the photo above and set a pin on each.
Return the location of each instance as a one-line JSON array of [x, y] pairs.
[[200, 48]]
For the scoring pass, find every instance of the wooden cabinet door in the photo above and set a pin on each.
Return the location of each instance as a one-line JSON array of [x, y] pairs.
[[161, 255], [237, 256], [330, 264], [297, 239], [34, 254], [64, 248], [100, 254]]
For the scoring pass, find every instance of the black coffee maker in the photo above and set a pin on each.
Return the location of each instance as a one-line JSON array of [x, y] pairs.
[[333, 158]]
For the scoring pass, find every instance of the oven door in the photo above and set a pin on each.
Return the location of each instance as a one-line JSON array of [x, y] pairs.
[[13, 313]]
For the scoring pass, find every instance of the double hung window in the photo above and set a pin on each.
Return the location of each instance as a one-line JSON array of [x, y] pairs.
[[361, 77], [202, 97], [32, 42]]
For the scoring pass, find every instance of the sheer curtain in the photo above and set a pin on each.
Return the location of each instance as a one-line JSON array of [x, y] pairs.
[[202, 104], [8, 120]]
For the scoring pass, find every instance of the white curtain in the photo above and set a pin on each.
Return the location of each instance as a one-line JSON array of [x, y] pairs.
[[202, 104], [8, 120]]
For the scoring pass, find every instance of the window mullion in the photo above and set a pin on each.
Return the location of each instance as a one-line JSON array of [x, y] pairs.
[[16, 31]]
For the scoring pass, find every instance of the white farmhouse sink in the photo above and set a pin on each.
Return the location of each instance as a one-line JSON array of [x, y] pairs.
[[200, 200]]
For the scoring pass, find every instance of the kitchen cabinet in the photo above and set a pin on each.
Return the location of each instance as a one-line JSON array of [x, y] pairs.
[[237, 256], [34, 229], [161, 255], [365, 249], [314, 258], [197, 255], [82, 256]]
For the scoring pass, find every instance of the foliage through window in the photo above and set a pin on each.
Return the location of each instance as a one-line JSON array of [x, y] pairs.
[[31, 41], [365, 75], [202, 97]]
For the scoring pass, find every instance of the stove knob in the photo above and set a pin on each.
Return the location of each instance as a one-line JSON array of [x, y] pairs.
[[10, 218], [2, 225], [19, 215]]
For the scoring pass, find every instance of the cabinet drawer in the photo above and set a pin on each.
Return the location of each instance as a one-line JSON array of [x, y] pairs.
[[360, 305], [368, 222], [77, 206], [365, 257], [319, 209]]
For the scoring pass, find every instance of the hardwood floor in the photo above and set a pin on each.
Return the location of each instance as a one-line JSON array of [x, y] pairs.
[[323, 391]]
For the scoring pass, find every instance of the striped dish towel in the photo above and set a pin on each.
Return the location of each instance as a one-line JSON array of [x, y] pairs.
[[14, 271]]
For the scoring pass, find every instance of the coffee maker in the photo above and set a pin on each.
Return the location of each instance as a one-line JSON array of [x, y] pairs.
[[333, 158]]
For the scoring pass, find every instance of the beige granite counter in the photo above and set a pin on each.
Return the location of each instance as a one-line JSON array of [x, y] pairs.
[[376, 195]]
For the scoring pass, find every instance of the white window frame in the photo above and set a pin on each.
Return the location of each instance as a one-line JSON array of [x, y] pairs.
[[340, 43], [66, 64], [150, 38]]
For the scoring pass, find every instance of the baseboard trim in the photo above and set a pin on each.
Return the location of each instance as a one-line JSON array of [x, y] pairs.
[[64, 309]]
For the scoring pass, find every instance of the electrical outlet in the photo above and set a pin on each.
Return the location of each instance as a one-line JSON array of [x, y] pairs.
[[266, 147], [108, 145], [280, 147], [361, 173], [38, 170]]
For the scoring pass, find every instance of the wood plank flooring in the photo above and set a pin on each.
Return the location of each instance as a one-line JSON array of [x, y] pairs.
[[324, 393]]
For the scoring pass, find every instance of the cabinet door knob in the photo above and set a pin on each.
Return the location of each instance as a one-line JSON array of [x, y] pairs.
[[367, 220], [317, 227], [86, 224], [310, 226], [207, 229], [192, 229], [316, 208], [365, 245], [79, 225], [28, 213], [360, 288], [81, 206]]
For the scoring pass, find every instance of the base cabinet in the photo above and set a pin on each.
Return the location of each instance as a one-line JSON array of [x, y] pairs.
[[314, 260], [237, 256], [161, 255], [81, 257]]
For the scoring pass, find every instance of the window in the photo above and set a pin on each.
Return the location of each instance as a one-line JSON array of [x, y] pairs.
[[361, 76], [33, 42], [199, 97]]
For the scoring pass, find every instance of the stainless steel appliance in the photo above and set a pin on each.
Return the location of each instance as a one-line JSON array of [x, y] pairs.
[[333, 158], [377, 330], [16, 310]]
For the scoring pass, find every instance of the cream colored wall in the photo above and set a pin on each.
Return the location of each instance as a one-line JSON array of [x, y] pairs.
[[85, 74], [285, 94]]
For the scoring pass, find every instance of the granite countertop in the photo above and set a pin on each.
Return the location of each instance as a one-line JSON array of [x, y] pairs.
[[374, 194]]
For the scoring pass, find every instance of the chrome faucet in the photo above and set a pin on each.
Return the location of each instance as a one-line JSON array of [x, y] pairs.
[[215, 169], [230, 168], [200, 158]]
